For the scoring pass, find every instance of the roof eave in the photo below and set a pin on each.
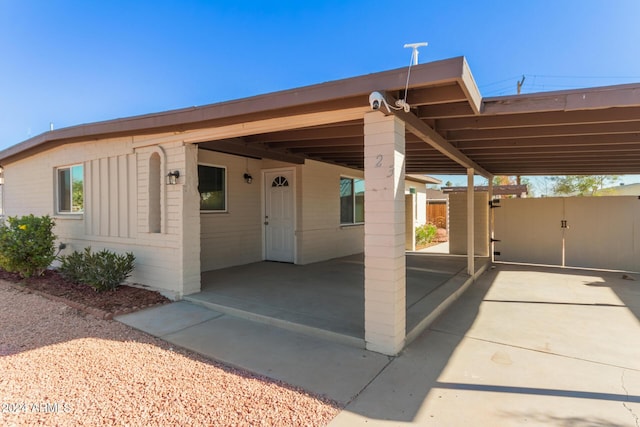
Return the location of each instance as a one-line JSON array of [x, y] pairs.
[[627, 95], [423, 179], [443, 71]]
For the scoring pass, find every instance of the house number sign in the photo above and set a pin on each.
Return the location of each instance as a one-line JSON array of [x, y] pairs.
[[380, 162]]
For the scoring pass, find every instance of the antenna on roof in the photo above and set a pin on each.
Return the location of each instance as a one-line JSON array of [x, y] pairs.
[[415, 46], [402, 103]]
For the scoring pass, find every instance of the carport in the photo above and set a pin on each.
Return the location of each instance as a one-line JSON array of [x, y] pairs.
[[428, 119], [448, 129], [326, 299]]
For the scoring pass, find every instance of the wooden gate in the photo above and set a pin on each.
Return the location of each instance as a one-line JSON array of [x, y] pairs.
[[437, 214]]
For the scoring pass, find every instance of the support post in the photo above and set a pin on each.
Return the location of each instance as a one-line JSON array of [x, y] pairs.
[[471, 269], [490, 218], [384, 241], [409, 222], [190, 222]]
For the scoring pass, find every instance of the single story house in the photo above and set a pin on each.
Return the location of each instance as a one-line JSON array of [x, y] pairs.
[[417, 184], [279, 176]]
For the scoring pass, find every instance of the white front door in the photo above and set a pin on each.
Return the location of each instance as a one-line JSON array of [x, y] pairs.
[[279, 216]]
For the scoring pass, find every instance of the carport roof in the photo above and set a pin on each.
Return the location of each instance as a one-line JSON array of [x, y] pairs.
[[584, 131]]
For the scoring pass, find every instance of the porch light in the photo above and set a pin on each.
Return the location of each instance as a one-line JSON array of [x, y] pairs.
[[248, 178], [172, 177]]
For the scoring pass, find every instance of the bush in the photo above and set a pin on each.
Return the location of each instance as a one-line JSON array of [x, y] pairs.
[[104, 270], [425, 234], [27, 245], [72, 266]]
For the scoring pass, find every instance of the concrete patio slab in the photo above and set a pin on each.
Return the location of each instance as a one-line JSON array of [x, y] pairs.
[[322, 367], [326, 299], [165, 319], [440, 248], [319, 366]]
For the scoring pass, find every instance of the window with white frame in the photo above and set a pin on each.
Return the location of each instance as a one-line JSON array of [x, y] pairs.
[[70, 189], [351, 200], [212, 185]]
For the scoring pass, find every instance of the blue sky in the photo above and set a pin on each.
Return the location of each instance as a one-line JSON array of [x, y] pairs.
[[69, 62]]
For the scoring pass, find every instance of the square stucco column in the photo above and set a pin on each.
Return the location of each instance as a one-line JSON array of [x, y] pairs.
[[384, 234], [471, 232], [190, 216]]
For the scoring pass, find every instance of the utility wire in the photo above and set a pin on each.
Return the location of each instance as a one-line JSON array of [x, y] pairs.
[[536, 83]]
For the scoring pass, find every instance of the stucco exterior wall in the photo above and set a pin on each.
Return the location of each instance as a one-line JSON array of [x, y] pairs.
[[420, 206], [116, 200], [458, 223], [319, 234], [236, 237], [173, 246], [233, 237]]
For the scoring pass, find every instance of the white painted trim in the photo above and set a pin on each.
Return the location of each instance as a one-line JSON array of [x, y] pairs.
[[353, 196], [56, 187], [226, 189]]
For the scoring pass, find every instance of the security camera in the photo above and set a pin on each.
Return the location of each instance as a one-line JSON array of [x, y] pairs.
[[376, 100]]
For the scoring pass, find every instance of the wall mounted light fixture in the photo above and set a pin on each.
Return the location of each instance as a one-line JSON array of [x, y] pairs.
[[172, 177], [248, 178]]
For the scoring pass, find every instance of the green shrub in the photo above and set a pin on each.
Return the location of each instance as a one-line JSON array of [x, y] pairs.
[[104, 270], [425, 234], [27, 245], [72, 266]]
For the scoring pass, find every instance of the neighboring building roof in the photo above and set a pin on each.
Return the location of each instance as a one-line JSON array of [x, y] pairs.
[[423, 179], [436, 195], [498, 190], [450, 127], [621, 190]]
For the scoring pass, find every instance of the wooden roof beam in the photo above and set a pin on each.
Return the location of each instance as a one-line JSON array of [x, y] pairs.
[[420, 129], [239, 147], [445, 111], [337, 142], [586, 160], [436, 95], [529, 151], [573, 141], [607, 115], [320, 149], [309, 133], [545, 131]]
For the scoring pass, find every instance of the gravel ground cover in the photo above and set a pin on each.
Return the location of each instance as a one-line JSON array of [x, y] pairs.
[[60, 366]]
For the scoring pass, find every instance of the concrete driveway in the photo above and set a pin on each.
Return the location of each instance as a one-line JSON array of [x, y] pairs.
[[523, 346]]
